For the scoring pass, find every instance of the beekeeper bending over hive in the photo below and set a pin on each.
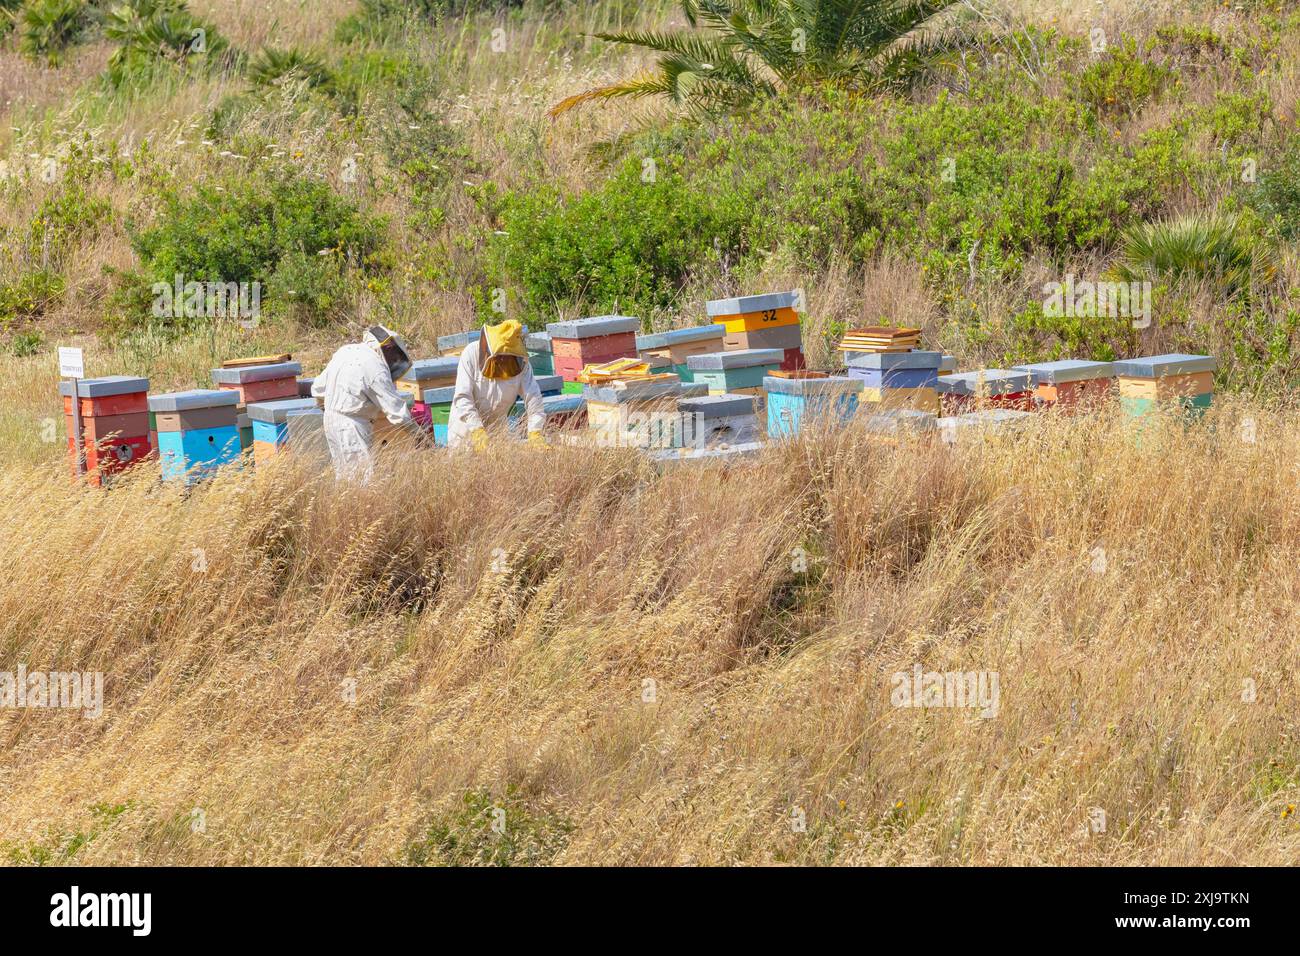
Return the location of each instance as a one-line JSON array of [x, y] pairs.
[[357, 386], [493, 372]]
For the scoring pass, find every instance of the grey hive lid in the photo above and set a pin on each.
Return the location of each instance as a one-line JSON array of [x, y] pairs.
[[538, 341], [549, 383], [631, 392], [888, 361], [438, 396], [255, 373], [738, 358], [592, 327], [422, 370], [985, 381], [458, 340], [746, 304], [1158, 366], [663, 340], [725, 405], [1066, 370], [831, 385], [106, 386], [276, 411], [192, 399]]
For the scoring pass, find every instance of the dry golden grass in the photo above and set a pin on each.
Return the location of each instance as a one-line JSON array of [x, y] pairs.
[[501, 615]]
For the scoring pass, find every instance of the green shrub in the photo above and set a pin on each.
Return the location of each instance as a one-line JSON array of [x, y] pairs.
[[26, 344], [1121, 81], [1276, 197], [487, 832], [31, 296], [290, 234], [628, 245]]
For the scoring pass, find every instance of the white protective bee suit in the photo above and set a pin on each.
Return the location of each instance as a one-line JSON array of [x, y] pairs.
[[357, 386], [482, 402]]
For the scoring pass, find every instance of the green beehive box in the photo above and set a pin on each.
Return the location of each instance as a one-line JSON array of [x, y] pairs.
[[1194, 405]]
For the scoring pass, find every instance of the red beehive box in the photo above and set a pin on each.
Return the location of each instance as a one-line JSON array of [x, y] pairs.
[[106, 458], [793, 360], [265, 391], [100, 428], [581, 342]]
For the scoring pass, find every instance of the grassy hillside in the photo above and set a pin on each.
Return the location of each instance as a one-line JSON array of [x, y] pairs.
[[641, 666]]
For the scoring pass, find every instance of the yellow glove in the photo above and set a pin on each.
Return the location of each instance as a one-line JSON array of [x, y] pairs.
[[537, 440], [479, 439]]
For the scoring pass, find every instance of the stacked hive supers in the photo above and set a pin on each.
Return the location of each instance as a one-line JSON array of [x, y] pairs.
[[257, 383], [718, 419], [425, 374], [539, 353], [897, 380], [986, 388], [1182, 381], [672, 350], [793, 403], [115, 430], [1070, 384], [761, 322], [271, 425], [197, 432], [637, 414], [738, 372], [577, 343]]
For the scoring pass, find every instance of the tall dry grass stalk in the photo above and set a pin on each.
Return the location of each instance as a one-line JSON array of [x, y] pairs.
[[501, 616]]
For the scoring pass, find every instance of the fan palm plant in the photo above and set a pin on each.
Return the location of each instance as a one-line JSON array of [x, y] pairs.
[[754, 48], [149, 31], [48, 27], [273, 67], [1217, 249]]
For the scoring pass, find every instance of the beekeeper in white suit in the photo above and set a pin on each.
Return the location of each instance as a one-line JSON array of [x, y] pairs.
[[493, 373], [357, 386]]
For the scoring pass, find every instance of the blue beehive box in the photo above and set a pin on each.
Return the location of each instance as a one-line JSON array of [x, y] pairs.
[[793, 401], [192, 455]]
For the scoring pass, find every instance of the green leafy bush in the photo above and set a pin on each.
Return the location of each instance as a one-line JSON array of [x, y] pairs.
[[483, 831], [1276, 198], [293, 235], [1121, 81], [31, 296], [627, 245]]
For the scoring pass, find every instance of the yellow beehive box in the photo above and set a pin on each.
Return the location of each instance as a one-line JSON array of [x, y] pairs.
[[1168, 387], [919, 399], [753, 321], [264, 451]]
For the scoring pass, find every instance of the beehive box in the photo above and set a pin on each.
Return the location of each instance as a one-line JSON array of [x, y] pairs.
[[1070, 384], [550, 384], [115, 431], [793, 403], [894, 426], [991, 388], [897, 380], [270, 424], [450, 346], [197, 432], [978, 425], [425, 374], [635, 414], [712, 420], [677, 346], [781, 337], [739, 369], [386, 435], [577, 343], [751, 313], [539, 353], [1173, 381], [259, 383]]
